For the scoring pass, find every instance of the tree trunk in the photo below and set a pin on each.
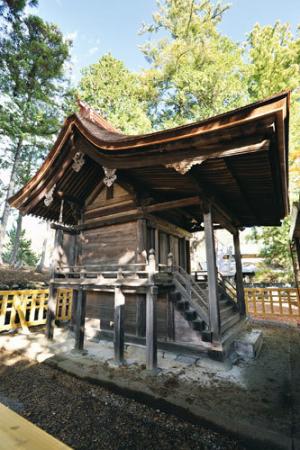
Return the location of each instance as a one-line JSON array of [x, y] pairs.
[[9, 193], [41, 264], [14, 254]]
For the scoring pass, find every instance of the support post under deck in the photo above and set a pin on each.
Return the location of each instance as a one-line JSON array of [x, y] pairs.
[[151, 328], [51, 312], [213, 295], [119, 325], [80, 319], [239, 274]]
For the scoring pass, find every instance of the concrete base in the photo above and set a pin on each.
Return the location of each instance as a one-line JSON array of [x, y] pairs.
[[248, 344]]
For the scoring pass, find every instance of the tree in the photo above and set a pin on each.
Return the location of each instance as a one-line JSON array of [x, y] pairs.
[[25, 255], [273, 55], [32, 90], [109, 87], [194, 70], [12, 9]]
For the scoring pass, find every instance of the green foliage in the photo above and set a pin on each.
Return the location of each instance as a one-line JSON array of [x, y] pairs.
[[109, 87], [273, 55], [10, 10], [25, 254], [195, 71], [275, 249]]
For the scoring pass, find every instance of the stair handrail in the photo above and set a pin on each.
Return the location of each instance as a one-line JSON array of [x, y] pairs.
[[229, 287], [200, 293]]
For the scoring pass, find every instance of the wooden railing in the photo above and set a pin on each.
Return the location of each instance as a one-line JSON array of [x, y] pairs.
[[228, 287], [272, 302], [27, 308]]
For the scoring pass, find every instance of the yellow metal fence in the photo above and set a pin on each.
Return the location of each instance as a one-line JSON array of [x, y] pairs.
[[273, 302], [27, 308]]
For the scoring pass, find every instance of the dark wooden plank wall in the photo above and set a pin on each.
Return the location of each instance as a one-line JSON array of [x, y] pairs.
[[100, 306], [111, 244]]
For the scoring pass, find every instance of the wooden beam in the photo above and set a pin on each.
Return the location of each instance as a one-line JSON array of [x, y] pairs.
[[239, 274], [119, 315], [151, 328], [64, 228], [167, 227], [80, 319], [223, 212], [242, 189], [213, 294], [174, 204]]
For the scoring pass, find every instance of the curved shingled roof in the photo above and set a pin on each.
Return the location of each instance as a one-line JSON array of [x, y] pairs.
[[244, 142]]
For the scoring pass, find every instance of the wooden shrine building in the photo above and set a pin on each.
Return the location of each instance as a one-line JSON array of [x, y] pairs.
[[124, 209]]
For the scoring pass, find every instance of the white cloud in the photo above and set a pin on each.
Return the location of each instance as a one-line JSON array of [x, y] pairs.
[[93, 50], [71, 36]]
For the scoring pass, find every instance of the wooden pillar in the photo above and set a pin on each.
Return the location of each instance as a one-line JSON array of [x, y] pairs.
[[80, 319], [141, 241], [156, 245], [239, 274], [74, 308], [213, 294], [119, 314], [51, 312], [297, 245], [151, 328], [170, 318], [140, 315]]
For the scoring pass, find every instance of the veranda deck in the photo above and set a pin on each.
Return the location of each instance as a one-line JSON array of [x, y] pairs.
[[18, 433]]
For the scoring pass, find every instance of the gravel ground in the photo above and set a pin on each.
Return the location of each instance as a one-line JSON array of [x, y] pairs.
[[87, 417]]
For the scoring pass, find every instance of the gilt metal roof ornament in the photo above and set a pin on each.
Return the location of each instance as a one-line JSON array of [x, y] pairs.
[[49, 196], [79, 161], [110, 176]]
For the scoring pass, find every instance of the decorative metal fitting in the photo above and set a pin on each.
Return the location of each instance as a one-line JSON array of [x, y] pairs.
[[110, 176], [78, 161], [49, 196]]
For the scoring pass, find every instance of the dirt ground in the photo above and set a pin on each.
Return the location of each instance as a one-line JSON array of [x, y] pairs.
[[87, 417], [256, 399]]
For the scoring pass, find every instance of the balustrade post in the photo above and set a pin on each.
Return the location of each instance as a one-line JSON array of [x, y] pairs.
[[151, 262], [170, 262]]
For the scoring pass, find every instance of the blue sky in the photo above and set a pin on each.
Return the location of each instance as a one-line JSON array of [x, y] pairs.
[[101, 26]]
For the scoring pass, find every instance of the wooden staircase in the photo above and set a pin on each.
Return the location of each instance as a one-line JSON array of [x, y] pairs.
[[191, 299]]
